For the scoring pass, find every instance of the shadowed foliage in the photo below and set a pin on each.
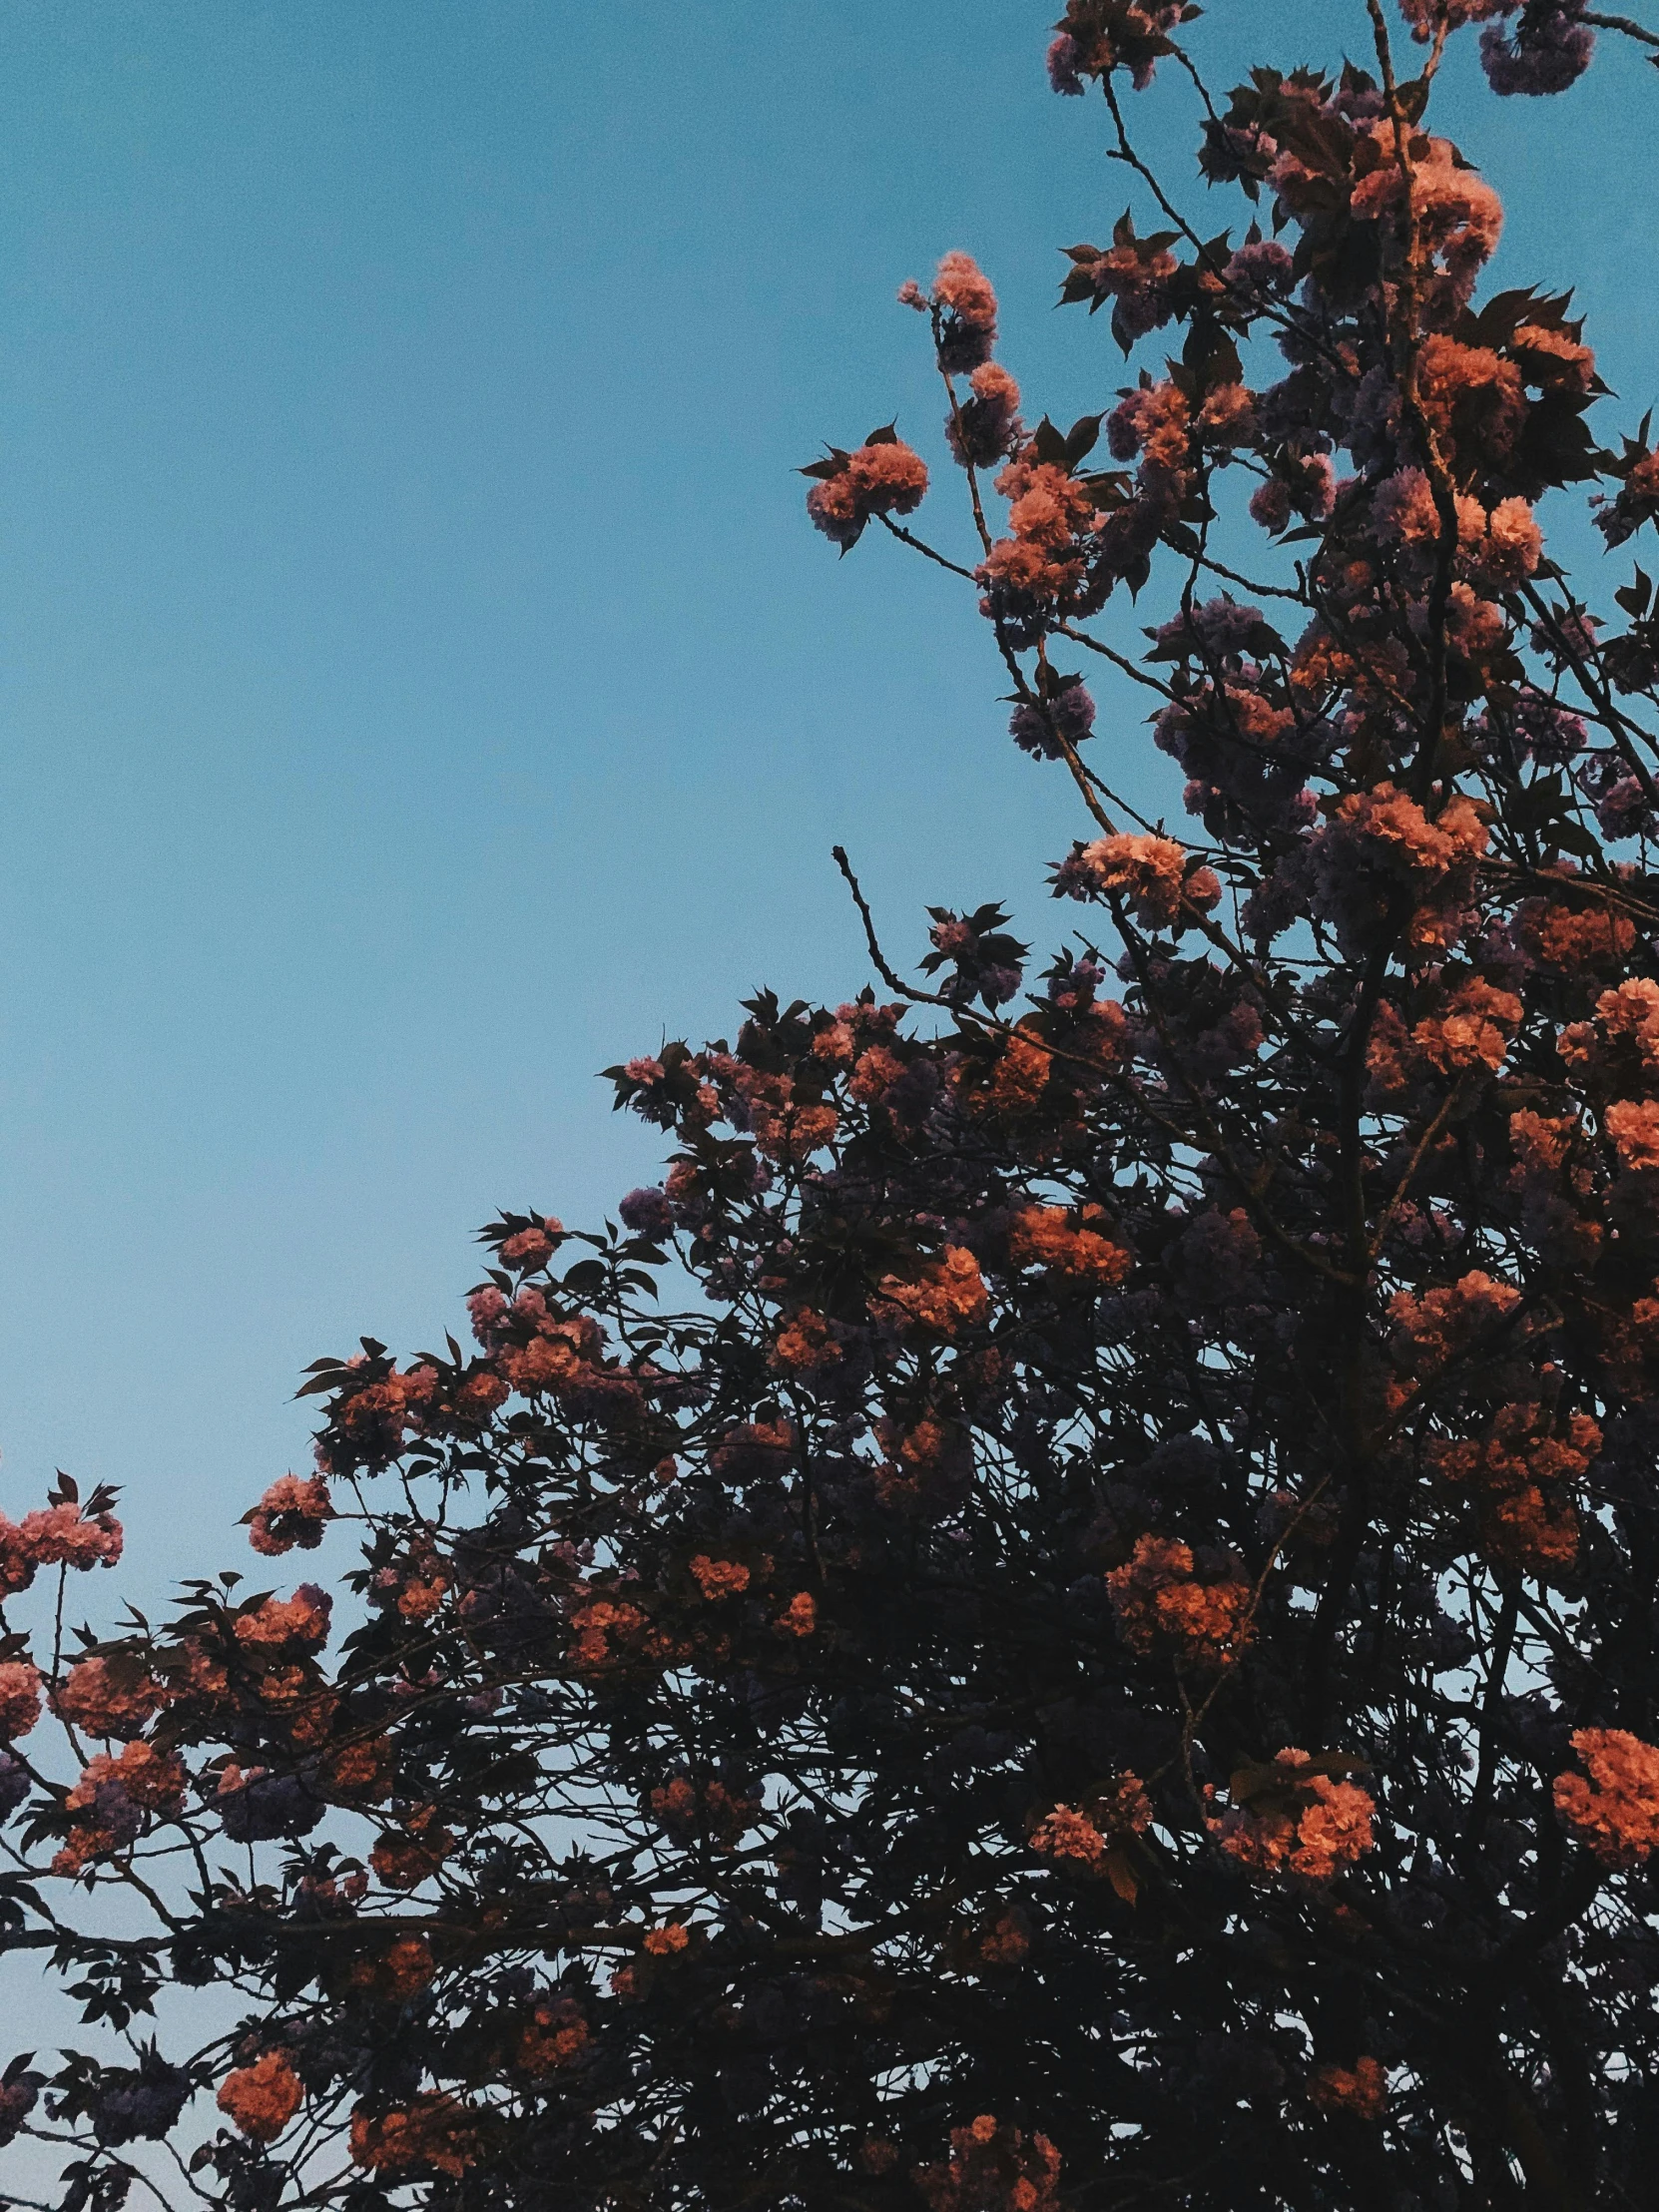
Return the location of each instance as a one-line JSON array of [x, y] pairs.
[[1064, 1616]]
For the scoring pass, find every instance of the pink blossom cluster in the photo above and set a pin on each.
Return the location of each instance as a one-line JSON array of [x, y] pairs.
[[61, 1536]]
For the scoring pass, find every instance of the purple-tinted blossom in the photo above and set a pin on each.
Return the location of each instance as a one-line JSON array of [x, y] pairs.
[[115, 1814], [18, 2100], [139, 2104], [1278, 901], [14, 1783], [1213, 1261], [1269, 504], [1622, 809], [1068, 713], [1552, 732], [647, 1212], [1374, 422], [1063, 57], [1260, 271], [1568, 636], [258, 1806], [1620, 805], [1549, 49], [1075, 986], [1360, 102], [1219, 628]]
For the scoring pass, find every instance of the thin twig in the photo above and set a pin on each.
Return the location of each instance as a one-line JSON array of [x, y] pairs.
[[909, 537], [906, 990], [1109, 653], [1621, 23]]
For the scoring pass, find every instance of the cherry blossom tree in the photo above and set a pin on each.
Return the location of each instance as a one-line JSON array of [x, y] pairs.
[[1065, 1614]]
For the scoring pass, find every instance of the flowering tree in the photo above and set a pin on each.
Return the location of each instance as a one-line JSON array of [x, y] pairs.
[[1106, 1654]]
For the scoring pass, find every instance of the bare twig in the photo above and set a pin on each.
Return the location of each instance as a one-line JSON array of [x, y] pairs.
[[906, 990], [1621, 23]]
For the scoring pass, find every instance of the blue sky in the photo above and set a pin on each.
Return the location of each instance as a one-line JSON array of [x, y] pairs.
[[419, 685]]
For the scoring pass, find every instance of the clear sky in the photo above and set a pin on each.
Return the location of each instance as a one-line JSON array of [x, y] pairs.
[[419, 684]]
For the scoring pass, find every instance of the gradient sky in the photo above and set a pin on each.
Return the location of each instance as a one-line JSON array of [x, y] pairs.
[[419, 685]]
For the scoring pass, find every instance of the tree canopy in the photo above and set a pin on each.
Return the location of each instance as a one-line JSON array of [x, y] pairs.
[[1065, 1614]]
